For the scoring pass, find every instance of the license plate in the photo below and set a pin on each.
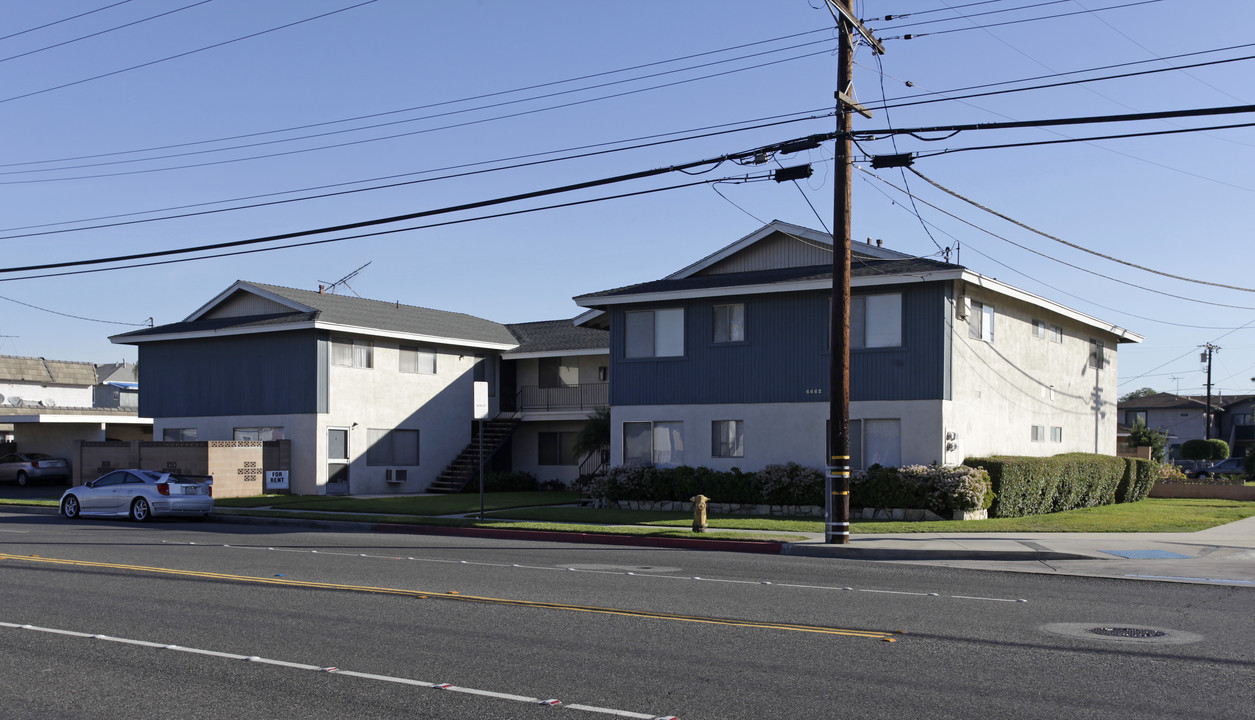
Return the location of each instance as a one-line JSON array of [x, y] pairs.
[[191, 491]]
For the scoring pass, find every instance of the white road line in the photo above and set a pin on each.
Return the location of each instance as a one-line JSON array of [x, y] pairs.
[[479, 563], [336, 671]]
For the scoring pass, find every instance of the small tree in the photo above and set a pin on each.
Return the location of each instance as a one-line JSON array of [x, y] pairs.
[[1142, 436], [1139, 393], [1205, 450], [594, 437]]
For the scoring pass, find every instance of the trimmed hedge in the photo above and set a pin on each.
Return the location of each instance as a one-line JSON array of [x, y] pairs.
[[943, 489], [1041, 485]]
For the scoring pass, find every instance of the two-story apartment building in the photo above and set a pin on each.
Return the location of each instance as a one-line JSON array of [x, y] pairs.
[[374, 396], [553, 382], [1184, 417], [725, 363]]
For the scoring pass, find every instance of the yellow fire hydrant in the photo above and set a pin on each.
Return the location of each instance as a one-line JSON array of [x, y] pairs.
[[699, 512]]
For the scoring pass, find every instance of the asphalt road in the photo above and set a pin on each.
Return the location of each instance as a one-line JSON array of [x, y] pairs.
[[258, 613]]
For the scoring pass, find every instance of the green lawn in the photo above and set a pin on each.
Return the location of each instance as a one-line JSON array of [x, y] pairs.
[[555, 511], [1151, 515], [422, 505]]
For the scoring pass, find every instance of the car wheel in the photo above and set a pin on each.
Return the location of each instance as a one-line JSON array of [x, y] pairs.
[[21, 478], [141, 510], [70, 507]]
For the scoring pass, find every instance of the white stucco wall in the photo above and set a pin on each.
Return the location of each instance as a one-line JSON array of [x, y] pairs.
[[784, 432], [1001, 389], [439, 406], [61, 396]]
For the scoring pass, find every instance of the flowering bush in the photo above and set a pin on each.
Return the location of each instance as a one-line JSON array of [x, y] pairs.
[[792, 484], [948, 488]]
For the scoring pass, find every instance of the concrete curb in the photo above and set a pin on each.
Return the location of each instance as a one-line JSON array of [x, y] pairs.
[[855, 553], [744, 546]]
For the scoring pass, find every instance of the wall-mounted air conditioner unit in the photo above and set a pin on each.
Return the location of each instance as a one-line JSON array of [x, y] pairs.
[[396, 475]]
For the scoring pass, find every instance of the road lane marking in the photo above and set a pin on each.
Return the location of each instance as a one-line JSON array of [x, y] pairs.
[[602, 571], [436, 594], [338, 671]]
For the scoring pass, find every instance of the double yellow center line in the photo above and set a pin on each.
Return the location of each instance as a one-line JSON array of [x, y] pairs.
[[453, 595]]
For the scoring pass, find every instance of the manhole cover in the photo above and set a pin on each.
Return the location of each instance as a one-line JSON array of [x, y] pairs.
[[1128, 632], [1122, 633]]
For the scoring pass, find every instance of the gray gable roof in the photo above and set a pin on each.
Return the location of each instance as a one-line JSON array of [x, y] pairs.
[[333, 312], [859, 268], [47, 372], [556, 336]]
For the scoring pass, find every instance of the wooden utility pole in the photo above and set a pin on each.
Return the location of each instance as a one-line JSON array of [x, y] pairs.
[[837, 484]]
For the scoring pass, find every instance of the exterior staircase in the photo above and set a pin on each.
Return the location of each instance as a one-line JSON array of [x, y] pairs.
[[465, 467]]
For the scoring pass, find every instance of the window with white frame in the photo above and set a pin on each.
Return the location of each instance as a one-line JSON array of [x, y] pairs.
[[556, 448], [1039, 329], [980, 322], [418, 360], [1056, 334], [653, 443], [1056, 434], [729, 322], [352, 353], [392, 447], [1133, 417], [875, 321], [654, 333], [727, 438], [1039, 433], [255, 434]]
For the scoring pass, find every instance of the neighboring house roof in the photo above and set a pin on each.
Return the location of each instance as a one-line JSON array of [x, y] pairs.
[[557, 337], [46, 372], [1163, 401], [123, 372], [248, 307]]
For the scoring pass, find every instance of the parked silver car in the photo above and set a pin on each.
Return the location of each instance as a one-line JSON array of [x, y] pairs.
[[1231, 466], [25, 468], [140, 495]]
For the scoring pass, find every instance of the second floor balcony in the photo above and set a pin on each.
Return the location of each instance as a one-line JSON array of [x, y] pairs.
[[588, 396]]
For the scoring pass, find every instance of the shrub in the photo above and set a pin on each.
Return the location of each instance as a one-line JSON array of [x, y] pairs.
[[950, 488], [791, 484], [509, 482], [1037, 485], [1204, 449], [1140, 476]]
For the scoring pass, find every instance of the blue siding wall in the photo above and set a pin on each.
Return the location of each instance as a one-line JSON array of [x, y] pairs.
[[265, 374], [785, 355]]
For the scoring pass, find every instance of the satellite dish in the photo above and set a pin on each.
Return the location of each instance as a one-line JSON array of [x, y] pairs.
[[15, 401]]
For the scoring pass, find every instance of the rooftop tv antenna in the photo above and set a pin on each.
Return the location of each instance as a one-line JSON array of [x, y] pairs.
[[331, 287]]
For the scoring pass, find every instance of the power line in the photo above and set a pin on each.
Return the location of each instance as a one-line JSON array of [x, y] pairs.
[[182, 54], [1057, 260], [1081, 81], [408, 182], [914, 36], [58, 22], [404, 134], [75, 317], [1073, 245], [102, 32], [1092, 138], [445, 103], [392, 231], [1055, 122], [787, 146], [961, 16]]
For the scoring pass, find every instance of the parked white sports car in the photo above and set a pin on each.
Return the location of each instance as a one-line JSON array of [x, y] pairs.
[[140, 495]]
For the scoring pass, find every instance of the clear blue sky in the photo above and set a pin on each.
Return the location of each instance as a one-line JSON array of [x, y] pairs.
[[1178, 203]]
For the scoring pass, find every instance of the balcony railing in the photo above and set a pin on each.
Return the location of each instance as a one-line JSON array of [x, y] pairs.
[[589, 396]]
